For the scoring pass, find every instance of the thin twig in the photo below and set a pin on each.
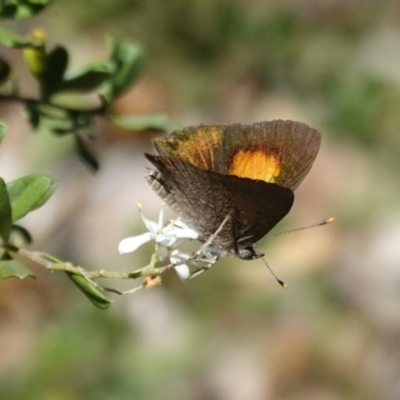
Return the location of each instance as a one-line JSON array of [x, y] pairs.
[[52, 264], [31, 101]]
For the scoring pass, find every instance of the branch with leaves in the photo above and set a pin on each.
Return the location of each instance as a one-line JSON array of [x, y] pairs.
[[108, 79], [19, 197]]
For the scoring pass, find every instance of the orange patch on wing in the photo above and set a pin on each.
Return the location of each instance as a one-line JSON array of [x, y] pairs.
[[255, 165], [197, 148]]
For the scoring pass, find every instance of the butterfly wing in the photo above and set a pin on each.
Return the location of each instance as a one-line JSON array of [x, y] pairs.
[[205, 198], [257, 207], [278, 151], [289, 147], [198, 145]]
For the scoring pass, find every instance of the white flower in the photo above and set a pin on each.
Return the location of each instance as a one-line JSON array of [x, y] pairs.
[[182, 269], [168, 236]]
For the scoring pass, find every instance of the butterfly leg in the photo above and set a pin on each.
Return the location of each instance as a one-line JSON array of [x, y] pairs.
[[213, 236], [199, 272]]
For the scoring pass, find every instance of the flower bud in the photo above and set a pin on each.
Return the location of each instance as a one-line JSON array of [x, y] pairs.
[[35, 57]]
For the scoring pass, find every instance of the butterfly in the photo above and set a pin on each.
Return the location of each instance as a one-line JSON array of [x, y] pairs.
[[233, 182]]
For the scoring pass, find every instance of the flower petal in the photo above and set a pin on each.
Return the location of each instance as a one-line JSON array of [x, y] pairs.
[[183, 270], [185, 233], [144, 219], [130, 244], [168, 227], [182, 230]]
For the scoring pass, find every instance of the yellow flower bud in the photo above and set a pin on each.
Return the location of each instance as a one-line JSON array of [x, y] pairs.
[[35, 57]]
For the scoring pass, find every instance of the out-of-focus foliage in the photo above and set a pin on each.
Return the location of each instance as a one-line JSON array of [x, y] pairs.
[[14, 269], [155, 122], [5, 212], [22, 9], [87, 77], [126, 62], [17, 199], [11, 39], [109, 78], [29, 193], [4, 71], [318, 52]]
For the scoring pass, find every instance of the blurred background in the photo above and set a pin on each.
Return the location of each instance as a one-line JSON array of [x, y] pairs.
[[231, 333]]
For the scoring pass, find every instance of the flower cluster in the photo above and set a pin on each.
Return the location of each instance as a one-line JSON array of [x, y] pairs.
[[167, 237]]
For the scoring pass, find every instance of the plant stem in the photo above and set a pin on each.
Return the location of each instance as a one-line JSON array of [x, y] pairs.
[[31, 101], [53, 264]]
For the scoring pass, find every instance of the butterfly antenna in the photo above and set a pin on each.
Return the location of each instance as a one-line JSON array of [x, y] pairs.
[[283, 284], [320, 223]]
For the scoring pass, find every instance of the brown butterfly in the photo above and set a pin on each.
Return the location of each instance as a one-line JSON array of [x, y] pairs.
[[237, 180]]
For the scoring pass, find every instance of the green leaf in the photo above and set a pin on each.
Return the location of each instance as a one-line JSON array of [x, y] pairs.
[[53, 75], [13, 269], [59, 126], [158, 121], [86, 78], [90, 291], [127, 61], [22, 9], [11, 39], [19, 236], [29, 193], [5, 212], [5, 70], [2, 131], [85, 153], [33, 116], [57, 120]]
